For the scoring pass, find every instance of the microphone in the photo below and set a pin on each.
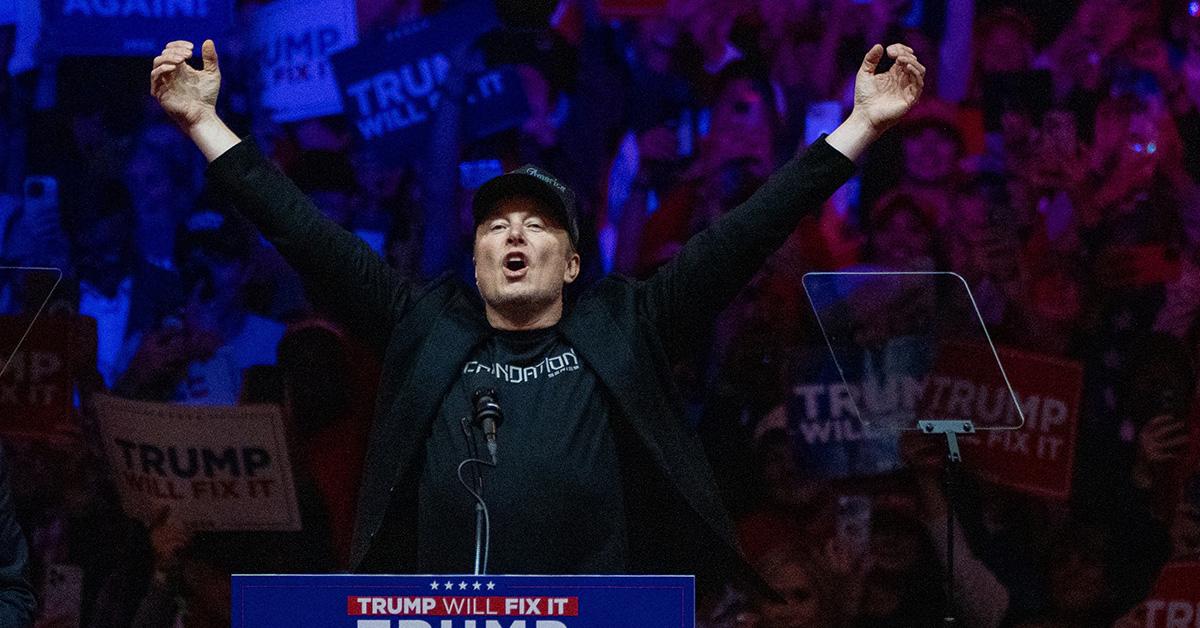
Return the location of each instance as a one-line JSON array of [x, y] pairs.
[[488, 415]]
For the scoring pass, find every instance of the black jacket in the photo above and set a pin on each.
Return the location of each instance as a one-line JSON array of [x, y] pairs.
[[628, 332]]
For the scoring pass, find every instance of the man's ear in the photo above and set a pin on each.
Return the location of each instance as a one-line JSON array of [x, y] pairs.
[[572, 269]]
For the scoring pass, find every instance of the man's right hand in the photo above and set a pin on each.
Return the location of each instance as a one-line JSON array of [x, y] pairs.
[[187, 95]]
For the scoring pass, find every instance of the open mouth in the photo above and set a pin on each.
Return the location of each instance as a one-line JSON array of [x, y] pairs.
[[515, 263]]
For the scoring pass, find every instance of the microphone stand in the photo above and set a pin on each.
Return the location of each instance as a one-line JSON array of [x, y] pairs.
[[483, 523], [950, 482]]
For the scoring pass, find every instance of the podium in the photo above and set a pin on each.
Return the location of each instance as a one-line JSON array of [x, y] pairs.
[[462, 601]]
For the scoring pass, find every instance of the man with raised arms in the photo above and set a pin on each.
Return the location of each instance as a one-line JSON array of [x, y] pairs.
[[598, 470]]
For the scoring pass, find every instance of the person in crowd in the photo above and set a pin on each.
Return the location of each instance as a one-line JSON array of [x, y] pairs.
[[326, 402], [982, 599], [198, 356], [901, 236], [733, 159], [126, 292], [810, 596], [931, 151]]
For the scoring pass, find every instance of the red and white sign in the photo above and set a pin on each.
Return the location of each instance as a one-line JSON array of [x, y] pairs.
[[36, 388], [445, 606], [1038, 458], [1175, 600]]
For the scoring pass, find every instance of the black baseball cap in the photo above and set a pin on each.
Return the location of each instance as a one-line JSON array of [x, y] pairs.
[[533, 182]]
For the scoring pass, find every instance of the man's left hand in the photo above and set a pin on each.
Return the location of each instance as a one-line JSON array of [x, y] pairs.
[[882, 99]]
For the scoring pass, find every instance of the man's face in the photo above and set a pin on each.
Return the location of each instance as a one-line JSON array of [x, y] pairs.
[[523, 257]]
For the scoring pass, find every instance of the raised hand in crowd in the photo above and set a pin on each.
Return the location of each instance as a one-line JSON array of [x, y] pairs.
[[1161, 443]]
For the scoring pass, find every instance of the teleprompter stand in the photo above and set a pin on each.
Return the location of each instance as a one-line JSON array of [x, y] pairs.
[[952, 469]]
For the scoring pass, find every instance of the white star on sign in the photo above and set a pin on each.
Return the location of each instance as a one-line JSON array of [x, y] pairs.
[[491, 585], [433, 585], [449, 585], [475, 586], [462, 586]]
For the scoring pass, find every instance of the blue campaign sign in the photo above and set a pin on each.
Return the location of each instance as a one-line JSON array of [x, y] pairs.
[[131, 27], [359, 601], [829, 439], [390, 84]]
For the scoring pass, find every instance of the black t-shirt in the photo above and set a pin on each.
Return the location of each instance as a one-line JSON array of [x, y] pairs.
[[555, 498]]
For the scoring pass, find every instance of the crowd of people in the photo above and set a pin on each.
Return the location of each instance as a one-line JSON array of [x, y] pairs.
[[1053, 162]]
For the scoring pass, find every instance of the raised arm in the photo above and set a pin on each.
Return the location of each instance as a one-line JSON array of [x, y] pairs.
[[342, 273], [685, 294]]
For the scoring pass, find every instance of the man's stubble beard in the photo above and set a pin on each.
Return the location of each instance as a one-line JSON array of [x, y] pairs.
[[526, 302]]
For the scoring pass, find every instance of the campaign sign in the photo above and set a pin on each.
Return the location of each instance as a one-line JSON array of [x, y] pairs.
[[825, 414], [293, 40], [36, 387], [391, 84], [357, 601], [131, 27], [215, 467], [830, 439], [1039, 457], [1175, 599]]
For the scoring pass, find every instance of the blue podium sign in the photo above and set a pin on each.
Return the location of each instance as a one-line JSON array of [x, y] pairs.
[[361, 601]]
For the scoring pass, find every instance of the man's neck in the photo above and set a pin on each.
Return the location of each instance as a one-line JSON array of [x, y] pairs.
[[523, 318]]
